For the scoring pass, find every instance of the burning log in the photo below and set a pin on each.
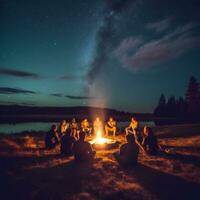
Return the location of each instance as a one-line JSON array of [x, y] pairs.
[[101, 142]]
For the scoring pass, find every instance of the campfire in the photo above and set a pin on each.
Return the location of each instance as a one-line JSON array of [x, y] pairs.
[[99, 139], [102, 142]]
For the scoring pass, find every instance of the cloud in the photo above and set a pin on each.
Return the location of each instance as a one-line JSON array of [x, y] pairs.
[[159, 26], [18, 73], [15, 103], [72, 96], [8, 90], [154, 52], [57, 95], [79, 97], [127, 44]]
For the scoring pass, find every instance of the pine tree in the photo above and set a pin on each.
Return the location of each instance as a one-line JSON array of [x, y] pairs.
[[181, 107], [171, 107], [192, 96], [160, 110]]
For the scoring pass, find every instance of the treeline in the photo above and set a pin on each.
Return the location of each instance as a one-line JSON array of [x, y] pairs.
[[16, 113], [182, 107]]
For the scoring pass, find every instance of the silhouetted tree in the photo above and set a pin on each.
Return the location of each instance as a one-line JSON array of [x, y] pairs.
[[188, 108], [160, 110], [181, 107], [193, 96], [171, 107]]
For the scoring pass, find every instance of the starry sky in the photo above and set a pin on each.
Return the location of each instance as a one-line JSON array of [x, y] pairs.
[[119, 54]]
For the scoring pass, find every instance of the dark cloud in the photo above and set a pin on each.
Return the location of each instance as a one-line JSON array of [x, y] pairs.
[[72, 96], [8, 90], [14, 103], [18, 73], [79, 97], [26, 104], [106, 36], [57, 95]]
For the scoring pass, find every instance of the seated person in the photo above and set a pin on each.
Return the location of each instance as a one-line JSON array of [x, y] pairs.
[[62, 128], [129, 151], [74, 129], [110, 126], [67, 142], [150, 142], [133, 126], [97, 125], [52, 138], [85, 127], [83, 150], [133, 129]]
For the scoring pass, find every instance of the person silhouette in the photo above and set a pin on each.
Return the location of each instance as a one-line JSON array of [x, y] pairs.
[[67, 142], [150, 142], [128, 153], [52, 138], [83, 150]]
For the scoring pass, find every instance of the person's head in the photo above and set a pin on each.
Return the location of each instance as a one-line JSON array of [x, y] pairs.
[[85, 120], [82, 136], [147, 131], [134, 122], [111, 119], [63, 122], [54, 128], [68, 132], [133, 119], [73, 120], [130, 138], [97, 119]]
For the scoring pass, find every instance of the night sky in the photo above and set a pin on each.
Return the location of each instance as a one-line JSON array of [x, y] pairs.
[[120, 54]]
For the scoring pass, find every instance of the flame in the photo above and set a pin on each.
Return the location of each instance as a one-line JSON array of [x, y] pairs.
[[99, 139]]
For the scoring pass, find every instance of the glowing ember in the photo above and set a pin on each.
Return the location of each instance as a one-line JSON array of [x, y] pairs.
[[100, 140]]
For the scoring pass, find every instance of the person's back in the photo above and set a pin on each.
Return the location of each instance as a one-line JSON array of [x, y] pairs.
[[151, 145], [129, 151], [67, 142], [82, 150], [51, 138]]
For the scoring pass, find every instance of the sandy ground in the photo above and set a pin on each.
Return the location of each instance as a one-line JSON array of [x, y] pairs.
[[28, 171]]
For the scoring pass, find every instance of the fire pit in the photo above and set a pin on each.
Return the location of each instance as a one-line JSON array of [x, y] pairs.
[[100, 142]]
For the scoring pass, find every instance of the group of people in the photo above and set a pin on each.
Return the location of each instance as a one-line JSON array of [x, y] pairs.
[[72, 139], [69, 145], [136, 139]]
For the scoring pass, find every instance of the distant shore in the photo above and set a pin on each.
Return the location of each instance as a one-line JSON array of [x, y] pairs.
[[17, 114]]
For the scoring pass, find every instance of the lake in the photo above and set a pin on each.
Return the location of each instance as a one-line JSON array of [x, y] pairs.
[[11, 128]]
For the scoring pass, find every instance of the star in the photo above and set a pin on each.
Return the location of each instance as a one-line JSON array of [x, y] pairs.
[[54, 43]]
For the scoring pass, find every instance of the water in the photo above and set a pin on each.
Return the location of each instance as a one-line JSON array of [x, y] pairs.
[[141, 124], [19, 127], [45, 126]]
